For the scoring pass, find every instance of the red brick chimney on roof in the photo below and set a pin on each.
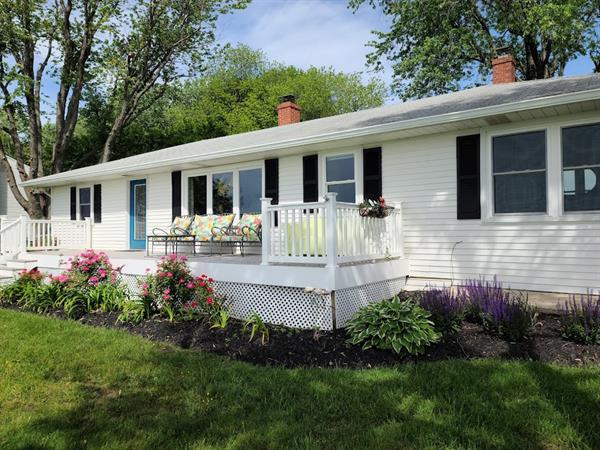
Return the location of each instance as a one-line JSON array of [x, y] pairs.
[[288, 111], [503, 67]]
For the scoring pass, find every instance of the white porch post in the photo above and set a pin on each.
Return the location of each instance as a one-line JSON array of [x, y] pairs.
[[331, 218], [266, 230], [22, 234], [88, 233]]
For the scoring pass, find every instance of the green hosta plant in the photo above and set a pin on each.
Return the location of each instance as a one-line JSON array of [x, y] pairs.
[[400, 326], [257, 326]]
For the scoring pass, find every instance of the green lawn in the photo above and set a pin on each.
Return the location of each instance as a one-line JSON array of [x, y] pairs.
[[65, 385]]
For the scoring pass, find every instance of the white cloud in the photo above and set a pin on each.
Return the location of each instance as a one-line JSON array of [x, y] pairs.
[[306, 33]]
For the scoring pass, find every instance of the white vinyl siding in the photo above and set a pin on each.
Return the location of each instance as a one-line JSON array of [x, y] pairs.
[[290, 179], [113, 232], [554, 256], [159, 209]]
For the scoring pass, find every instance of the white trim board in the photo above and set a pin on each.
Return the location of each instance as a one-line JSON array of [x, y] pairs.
[[271, 275]]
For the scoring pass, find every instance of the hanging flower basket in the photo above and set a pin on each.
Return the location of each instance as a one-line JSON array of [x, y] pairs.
[[372, 208]]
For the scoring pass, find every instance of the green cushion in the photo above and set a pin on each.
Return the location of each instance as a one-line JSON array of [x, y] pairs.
[[302, 238]]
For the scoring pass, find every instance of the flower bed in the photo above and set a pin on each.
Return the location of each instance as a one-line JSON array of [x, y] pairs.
[[180, 308]]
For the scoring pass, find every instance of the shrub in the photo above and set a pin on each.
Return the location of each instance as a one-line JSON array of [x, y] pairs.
[[400, 326], [21, 291], [446, 309], [580, 318], [134, 311], [90, 269], [174, 292], [88, 284], [500, 311]]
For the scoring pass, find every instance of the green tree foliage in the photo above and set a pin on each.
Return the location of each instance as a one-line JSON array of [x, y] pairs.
[[239, 92], [128, 50], [436, 46]]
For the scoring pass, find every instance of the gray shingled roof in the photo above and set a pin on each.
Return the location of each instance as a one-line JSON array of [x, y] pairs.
[[403, 114]]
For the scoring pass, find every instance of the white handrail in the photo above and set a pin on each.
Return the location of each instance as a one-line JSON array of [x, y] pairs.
[[42, 234], [328, 232], [10, 238]]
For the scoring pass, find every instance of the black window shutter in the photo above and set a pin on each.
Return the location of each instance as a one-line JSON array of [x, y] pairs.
[[372, 189], [73, 203], [310, 178], [175, 194], [272, 180], [467, 175], [97, 203]]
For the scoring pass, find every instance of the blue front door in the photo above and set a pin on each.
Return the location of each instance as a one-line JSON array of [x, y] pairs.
[[137, 214]]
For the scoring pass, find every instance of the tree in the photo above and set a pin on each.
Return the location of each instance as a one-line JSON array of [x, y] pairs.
[[436, 46], [238, 92], [127, 49]]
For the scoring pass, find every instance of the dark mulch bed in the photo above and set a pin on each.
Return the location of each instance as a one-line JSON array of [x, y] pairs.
[[305, 348]]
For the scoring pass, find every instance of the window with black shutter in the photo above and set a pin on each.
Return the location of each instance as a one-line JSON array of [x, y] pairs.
[[372, 188], [73, 203], [310, 178], [97, 198], [468, 183]]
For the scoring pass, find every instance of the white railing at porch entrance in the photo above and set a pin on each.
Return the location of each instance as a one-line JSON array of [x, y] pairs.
[[328, 232], [26, 234]]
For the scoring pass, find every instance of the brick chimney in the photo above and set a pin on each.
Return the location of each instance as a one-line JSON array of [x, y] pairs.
[[503, 67], [288, 111]]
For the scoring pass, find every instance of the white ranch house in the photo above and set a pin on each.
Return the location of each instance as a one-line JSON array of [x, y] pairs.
[[500, 180]]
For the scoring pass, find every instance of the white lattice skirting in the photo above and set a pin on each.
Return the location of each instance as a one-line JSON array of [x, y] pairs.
[[293, 307]]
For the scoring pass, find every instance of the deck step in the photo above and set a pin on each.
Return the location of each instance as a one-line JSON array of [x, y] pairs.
[[8, 272], [21, 263], [6, 280]]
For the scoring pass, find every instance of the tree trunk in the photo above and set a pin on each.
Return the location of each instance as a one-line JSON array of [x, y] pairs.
[[115, 131]]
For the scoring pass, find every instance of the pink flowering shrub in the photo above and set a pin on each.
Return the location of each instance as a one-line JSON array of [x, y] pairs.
[[30, 276], [174, 291], [26, 280], [89, 268]]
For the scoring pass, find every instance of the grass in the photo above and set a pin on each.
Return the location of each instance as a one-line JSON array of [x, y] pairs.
[[65, 385]]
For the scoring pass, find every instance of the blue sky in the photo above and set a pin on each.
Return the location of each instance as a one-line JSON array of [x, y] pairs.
[[318, 33], [306, 33]]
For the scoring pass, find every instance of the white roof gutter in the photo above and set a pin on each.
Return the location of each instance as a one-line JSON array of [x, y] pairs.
[[557, 100]]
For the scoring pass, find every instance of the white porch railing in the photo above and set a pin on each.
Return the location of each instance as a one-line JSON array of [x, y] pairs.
[[327, 232], [26, 234]]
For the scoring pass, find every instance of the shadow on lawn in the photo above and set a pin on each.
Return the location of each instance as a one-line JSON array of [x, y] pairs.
[[196, 400]]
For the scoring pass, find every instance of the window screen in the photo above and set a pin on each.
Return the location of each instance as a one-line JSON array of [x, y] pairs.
[[581, 168], [519, 170]]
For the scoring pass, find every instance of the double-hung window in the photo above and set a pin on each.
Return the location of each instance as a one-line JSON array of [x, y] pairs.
[[581, 168], [339, 177], [519, 173], [85, 203]]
